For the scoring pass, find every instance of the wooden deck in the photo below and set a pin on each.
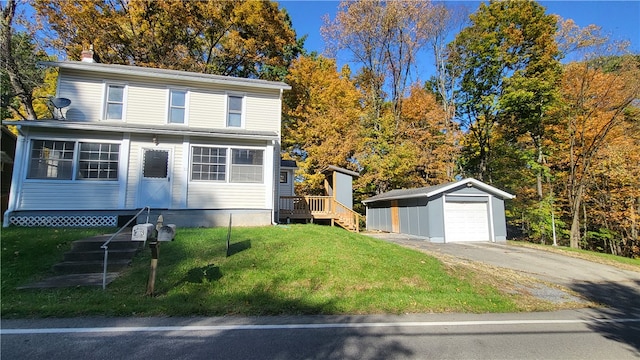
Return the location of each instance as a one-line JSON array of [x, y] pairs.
[[319, 207]]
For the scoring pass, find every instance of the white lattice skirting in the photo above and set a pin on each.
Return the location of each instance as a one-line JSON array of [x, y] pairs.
[[64, 221]]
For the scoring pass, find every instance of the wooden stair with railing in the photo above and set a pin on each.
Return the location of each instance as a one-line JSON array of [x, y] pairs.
[[319, 207]]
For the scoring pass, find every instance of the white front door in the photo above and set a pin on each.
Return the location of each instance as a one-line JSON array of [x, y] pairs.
[[155, 181], [466, 221]]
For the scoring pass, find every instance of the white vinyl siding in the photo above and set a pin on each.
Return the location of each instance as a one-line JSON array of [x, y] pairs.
[[84, 195], [262, 113], [147, 102], [206, 109], [147, 105], [86, 97], [212, 195]]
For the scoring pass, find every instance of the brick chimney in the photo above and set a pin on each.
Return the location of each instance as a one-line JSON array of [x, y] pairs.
[[87, 55]]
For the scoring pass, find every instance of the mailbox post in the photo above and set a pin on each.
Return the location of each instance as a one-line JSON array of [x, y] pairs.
[[163, 233]]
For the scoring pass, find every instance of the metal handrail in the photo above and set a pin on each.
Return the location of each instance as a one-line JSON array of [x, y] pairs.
[[105, 246]]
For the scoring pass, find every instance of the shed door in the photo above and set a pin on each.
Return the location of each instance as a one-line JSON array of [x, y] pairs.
[[466, 221], [155, 182]]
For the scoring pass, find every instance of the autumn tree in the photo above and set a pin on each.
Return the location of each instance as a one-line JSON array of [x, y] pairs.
[[251, 39], [383, 40], [508, 59], [613, 196], [594, 106], [426, 127], [19, 74], [321, 122]]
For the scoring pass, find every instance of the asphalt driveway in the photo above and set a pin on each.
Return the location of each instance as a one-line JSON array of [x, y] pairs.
[[618, 289]]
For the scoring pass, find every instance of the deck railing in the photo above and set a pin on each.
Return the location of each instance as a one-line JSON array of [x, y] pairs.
[[347, 217], [318, 207], [302, 207]]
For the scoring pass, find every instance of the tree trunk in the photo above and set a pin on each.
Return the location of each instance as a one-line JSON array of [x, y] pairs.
[[574, 237]]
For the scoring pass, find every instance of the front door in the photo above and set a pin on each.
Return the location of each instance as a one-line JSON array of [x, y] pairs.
[[155, 181]]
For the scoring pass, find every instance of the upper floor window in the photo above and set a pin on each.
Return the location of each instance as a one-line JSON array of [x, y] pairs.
[[234, 111], [177, 106], [115, 102], [57, 160]]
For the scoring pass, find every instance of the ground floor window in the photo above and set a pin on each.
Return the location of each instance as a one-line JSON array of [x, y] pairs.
[[71, 160], [208, 163], [213, 164], [246, 166]]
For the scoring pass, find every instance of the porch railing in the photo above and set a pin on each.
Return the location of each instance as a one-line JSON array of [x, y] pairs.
[[318, 207], [301, 207]]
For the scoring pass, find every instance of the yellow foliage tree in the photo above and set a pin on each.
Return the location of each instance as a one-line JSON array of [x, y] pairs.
[[321, 119]]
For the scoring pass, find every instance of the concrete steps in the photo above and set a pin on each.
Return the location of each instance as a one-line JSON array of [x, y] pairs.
[[86, 256]]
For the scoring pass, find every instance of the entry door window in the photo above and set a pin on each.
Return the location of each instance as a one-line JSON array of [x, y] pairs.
[[156, 164]]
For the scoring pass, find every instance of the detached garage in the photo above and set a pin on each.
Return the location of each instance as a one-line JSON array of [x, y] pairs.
[[467, 210]]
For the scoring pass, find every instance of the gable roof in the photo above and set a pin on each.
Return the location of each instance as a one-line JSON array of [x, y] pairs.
[[128, 70], [331, 168], [430, 191]]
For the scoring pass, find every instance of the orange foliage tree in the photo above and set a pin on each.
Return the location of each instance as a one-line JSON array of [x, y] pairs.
[[239, 38], [593, 111]]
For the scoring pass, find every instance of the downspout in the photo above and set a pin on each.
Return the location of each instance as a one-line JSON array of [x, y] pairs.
[[275, 192], [16, 185]]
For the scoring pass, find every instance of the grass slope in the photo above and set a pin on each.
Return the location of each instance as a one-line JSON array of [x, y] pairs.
[[297, 269]]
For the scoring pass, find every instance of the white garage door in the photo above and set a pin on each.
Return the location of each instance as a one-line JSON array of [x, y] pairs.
[[466, 221]]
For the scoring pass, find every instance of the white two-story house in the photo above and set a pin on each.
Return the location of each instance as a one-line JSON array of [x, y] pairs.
[[191, 146]]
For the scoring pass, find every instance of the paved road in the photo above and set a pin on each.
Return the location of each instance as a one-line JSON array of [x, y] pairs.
[[579, 334], [618, 289]]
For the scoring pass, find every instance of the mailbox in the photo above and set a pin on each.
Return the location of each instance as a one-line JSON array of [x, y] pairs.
[[167, 232], [143, 232]]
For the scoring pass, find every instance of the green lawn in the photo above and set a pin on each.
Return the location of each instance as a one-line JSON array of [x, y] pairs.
[[296, 269]]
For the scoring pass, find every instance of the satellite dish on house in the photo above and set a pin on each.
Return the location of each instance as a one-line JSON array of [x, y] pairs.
[[59, 104]]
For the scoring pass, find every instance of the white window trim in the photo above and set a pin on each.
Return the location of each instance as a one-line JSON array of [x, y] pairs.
[[186, 106], [76, 162], [105, 96], [228, 163], [243, 115]]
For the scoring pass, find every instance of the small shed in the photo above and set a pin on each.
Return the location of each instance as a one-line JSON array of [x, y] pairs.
[[466, 210], [338, 184]]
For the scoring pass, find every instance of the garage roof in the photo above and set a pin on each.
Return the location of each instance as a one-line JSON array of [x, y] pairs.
[[437, 189]]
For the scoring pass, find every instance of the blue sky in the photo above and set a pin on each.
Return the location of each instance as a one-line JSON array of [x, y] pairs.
[[619, 19]]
